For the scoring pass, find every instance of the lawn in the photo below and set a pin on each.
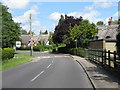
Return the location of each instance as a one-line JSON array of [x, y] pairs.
[[19, 58]]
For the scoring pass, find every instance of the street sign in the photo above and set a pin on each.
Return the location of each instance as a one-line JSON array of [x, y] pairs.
[[18, 44]]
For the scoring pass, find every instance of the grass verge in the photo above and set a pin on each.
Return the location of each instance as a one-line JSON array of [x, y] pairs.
[[19, 58]]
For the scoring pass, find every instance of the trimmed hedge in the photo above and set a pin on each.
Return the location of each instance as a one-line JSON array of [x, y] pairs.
[[63, 50], [42, 48], [24, 48], [8, 53]]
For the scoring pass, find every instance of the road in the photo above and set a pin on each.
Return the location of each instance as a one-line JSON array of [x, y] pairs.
[[47, 71]]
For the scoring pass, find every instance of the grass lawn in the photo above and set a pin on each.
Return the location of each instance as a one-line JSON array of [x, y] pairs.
[[19, 58]]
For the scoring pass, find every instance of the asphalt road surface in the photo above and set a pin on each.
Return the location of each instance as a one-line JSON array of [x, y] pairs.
[[47, 71]]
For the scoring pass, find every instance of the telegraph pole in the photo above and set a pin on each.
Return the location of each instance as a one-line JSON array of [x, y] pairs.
[[31, 46]]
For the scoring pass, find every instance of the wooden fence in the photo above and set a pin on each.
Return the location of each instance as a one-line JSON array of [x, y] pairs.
[[104, 58]]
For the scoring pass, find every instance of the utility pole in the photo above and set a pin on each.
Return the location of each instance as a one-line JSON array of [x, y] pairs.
[[31, 46]]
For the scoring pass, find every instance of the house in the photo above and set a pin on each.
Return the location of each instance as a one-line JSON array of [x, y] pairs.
[[26, 39], [107, 32], [106, 38]]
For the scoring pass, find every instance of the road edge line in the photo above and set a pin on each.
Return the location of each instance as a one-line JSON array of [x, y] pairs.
[[87, 74]]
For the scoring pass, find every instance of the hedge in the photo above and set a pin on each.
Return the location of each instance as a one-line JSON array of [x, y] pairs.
[[24, 48], [42, 48], [63, 50], [72, 51], [7, 53]]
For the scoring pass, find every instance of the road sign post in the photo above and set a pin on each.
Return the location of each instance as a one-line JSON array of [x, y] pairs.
[[31, 48]]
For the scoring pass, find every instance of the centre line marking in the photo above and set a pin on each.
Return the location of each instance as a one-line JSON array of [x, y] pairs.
[[37, 76], [48, 66]]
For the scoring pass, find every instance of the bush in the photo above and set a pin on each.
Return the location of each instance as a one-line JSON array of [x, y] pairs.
[[63, 50], [37, 48], [7, 53], [42, 48], [24, 48]]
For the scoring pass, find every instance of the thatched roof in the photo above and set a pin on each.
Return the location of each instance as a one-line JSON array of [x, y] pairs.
[[107, 31], [35, 38]]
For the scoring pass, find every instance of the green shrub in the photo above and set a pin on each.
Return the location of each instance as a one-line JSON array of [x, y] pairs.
[[63, 50], [42, 48], [37, 48], [24, 48], [7, 53]]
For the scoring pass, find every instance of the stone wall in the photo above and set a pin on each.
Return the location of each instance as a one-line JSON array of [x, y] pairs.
[[97, 44], [103, 44]]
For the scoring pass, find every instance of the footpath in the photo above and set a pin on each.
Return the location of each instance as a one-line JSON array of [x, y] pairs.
[[99, 77]]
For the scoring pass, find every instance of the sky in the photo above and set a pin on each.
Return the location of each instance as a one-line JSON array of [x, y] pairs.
[[46, 14]]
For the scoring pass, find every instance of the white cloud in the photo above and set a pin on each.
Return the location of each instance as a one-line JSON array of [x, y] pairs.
[[16, 4], [103, 4], [25, 19], [89, 14], [55, 16]]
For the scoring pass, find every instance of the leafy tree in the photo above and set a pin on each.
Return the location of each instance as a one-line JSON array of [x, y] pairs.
[[115, 22], [100, 23], [118, 43], [83, 34], [63, 27], [10, 29], [46, 32], [0, 26], [118, 21], [61, 19], [50, 38], [23, 32]]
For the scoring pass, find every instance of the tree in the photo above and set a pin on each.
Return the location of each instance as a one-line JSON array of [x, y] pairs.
[[10, 29], [46, 32], [61, 20], [50, 38], [63, 27], [118, 43], [83, 33], [100, 23], [23, 32], [115, 22]]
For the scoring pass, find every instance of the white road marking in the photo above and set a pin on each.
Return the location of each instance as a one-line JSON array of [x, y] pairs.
[[48, 66], [37, 76]]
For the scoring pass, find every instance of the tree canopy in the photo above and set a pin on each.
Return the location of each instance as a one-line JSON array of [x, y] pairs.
[[50, 38], [115, 22], [10, 29], [118, 41], [23, 32], [83, 34], [46, 32], [63, 27], [100, 23]]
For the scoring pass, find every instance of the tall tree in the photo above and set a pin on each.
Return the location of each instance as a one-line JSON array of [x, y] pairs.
[[100, 23], [50, 38], [10, 29], [46, 32], [23, 32], [115, 22], [63, 27], [118, 41], [61, 20], [83, 34]]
